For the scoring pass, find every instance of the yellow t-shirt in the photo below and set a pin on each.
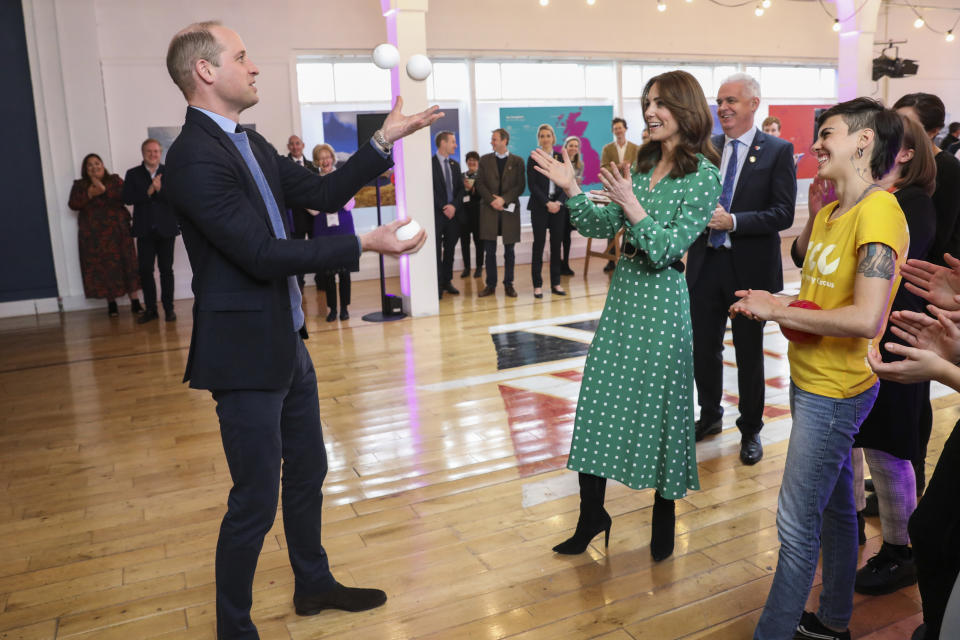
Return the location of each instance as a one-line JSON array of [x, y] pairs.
[[837, 367]]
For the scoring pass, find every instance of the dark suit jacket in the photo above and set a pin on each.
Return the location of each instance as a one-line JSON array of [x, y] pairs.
[[539, 184], [763, 202], [300, 218], [509, 187], [243, 336], [440, 189], [149, 212]]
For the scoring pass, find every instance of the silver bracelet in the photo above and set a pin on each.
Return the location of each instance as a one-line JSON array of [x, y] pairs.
[[381, 141]]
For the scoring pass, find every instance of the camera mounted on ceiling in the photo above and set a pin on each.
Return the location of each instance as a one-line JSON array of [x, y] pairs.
[[893, 67]]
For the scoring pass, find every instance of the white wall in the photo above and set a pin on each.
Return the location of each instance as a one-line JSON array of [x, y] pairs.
[[937, 58], [100, 78]]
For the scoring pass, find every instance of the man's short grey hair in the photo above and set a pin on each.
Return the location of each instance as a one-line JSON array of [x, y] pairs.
[[749, 83], [192, 43]]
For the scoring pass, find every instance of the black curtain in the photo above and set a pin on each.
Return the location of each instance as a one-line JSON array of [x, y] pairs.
[[26, 257]]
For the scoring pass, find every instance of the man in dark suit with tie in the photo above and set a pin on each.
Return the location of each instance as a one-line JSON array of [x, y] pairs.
[[739, 250], [229, 187], [299, 218], [501, 180], [447, 208], [155, 228]]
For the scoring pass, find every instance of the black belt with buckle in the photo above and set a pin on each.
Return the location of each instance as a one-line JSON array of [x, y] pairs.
[[629, 250]]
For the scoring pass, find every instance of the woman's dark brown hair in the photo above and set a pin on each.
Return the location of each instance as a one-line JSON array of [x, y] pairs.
[[107, 176], [921, 170], [682, 95]]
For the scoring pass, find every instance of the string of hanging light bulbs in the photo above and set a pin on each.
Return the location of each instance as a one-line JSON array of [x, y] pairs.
[[763, 5]]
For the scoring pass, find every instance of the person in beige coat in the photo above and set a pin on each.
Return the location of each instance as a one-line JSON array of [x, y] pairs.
[[500, 181]]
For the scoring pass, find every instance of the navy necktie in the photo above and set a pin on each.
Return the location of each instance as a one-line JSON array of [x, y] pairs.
[[718, 237]]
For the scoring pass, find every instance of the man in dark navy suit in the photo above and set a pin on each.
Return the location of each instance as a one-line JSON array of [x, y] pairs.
[[230, 187], [300, 219], [155, 228], [447, 208], [739, 250]]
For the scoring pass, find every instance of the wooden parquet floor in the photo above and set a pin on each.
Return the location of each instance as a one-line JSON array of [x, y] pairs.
[[446, 489]]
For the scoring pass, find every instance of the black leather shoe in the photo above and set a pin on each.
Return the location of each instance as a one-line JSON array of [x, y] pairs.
[[509, 290], [344, 314], [135, 307], [537, 295], [148, 316], [465, 273], [557, 291], [478, 272], [565, 270], [452, 290], [751, 451], [332, 315], [708, 429], [610, 266], [170, 316], [339, 597], [486, 291]]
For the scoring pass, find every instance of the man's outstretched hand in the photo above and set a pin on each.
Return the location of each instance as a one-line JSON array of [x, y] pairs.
[[397, 125], [384, 240]]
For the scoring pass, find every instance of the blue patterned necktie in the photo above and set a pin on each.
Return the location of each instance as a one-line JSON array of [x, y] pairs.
[[276, 222], [718, 237]]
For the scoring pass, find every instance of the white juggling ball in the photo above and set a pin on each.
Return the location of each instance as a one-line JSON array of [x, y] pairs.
[[386, 56], [419, 67], [408, 230]]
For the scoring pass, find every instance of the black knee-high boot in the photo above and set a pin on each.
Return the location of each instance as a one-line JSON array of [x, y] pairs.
[[593, 517], [664, 523]]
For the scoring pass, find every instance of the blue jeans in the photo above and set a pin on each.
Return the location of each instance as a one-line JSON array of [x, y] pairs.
[[815, 509]]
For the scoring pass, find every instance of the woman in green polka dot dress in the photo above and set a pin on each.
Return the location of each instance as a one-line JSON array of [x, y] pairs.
[[634, 418]]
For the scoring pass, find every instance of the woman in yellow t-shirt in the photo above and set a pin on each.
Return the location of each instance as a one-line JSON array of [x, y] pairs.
[[853, 251]]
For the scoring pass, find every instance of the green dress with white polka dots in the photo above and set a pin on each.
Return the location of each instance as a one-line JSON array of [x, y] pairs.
[[634, 419]]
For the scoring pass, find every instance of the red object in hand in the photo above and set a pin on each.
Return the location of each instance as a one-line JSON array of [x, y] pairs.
[[794, 335]]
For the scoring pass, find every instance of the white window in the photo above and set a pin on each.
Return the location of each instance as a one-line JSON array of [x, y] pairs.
[[315, 82]]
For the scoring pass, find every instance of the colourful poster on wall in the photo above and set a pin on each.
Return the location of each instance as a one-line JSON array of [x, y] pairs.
[[590, 124], [797, 123]]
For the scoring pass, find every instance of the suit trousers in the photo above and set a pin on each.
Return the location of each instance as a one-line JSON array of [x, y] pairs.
[[567, 236], [150, 248], [447, 234], [470, 226], [542, 220], [317, 277], [262, 431], [330, 288], [490, 248], [710, 299], [934, 530]]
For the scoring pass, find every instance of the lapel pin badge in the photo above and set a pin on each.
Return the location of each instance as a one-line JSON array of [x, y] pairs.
[[753, 158]]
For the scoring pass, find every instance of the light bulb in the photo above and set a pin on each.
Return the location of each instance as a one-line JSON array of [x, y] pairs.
[[765, 4], [950, 36], [661, 7], [918, 22], [544, 3], [836, 24], [591, 2], [758, 11]]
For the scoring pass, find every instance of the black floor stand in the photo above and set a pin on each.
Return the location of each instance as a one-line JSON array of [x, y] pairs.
[[391, 306]]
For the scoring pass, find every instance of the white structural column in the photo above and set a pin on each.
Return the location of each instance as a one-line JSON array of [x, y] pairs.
[[407, 30], [855, 48]]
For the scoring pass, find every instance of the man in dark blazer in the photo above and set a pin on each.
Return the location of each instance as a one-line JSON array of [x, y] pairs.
[[300, 218], [230, 187], [500, 181], [739, 250], [155, 228], [448, 212]]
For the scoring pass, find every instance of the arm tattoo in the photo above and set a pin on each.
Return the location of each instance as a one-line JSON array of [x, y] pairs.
[[878, 263]]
